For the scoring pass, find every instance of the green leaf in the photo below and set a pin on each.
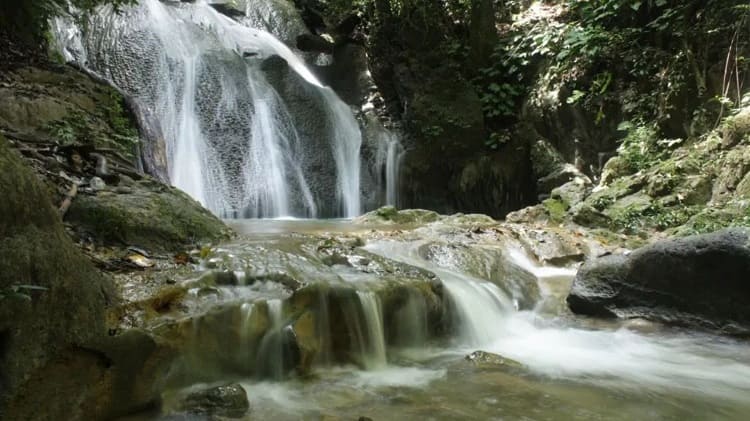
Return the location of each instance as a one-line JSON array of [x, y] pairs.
[[575, 97]]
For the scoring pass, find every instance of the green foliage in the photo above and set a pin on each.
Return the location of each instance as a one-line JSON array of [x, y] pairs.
[[633, 220], [504, 84], [497, 139], [500, 100], [432, 131], [119, 121], [602, 202], [711, 220], [72, 129], [640, 149]]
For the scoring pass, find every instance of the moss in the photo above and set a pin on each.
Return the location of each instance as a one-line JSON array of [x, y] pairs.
[[556, 209], [163, 219], [68, 313], [391, 214]]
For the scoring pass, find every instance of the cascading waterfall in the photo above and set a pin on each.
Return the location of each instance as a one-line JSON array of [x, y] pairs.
[[235, 135]]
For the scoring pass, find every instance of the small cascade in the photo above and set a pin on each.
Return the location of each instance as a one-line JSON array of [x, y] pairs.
[[374, 355], [272, 360], [481, 306]]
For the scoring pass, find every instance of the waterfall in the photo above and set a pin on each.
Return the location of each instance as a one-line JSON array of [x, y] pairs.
[[390, 153], [244, 136], [387, 163]]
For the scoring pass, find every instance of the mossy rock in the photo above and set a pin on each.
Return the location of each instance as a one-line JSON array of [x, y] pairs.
[[588, 216], [60, 104], [389, 214], [54, 322], [151, 215], [556, 209]]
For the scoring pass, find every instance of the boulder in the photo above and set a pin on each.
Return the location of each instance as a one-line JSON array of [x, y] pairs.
[[698, 281], [151, 215], [228, 401], [389, 214]]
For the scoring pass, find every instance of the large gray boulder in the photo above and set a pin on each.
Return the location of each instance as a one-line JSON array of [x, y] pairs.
[[698, 281]]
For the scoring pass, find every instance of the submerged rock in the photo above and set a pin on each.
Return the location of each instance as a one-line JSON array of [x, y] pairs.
[[484, 359], [228, 401], [698, 281]]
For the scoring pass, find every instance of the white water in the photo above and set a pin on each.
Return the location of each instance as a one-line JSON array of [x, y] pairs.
[[693, 362], [231, 141]]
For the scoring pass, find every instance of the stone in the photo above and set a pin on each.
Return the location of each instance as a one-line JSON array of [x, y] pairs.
[[389, 214], [586, 215], [532, 214], [552, 247], [314, 43], [228, 401], [307, 341], [697, 281], [155, 216], [615, 168], [574, 191], [560, 176], [484, 359], [546, 158], [697, 190], [97, 184]]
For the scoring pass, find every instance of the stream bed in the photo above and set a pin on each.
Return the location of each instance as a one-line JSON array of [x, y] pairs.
[[372, 355]]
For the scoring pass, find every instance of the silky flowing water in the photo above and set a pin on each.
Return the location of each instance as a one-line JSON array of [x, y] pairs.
[[569, 367]]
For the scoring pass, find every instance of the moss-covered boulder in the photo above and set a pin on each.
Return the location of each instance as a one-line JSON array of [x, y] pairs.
[[391, 215], [145, 213]]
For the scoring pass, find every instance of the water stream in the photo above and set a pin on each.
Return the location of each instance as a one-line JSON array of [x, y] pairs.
[[378, 354]]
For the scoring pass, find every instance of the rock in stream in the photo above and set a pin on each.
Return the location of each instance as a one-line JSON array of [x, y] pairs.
[[698, 281]]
